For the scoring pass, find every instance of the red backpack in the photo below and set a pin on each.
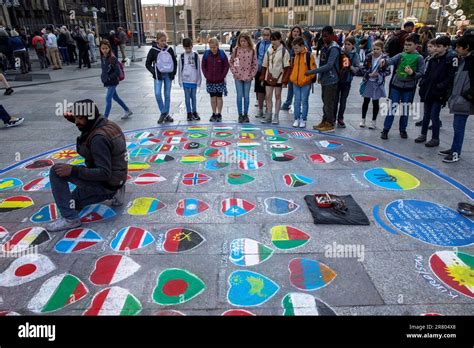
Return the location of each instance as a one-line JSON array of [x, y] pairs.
[[121, 68]]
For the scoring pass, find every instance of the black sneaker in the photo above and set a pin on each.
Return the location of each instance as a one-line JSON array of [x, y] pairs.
[[403, 135], [445, 152], [241, 119], [219, 118], [341, 124], [384, 135], [432, 143], [440, 125], [196, 117], [14, 121], [190, 117], [454, 157], [169, 119], [213, 118], [246, 119], [419, 123], [420, 139], [162, 118], [8, 91]]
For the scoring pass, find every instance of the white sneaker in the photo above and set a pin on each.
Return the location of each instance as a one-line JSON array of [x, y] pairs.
[[302, 124], [14, 121], [372, 125], [296, 124], [128, 114], [362, 124], [63, 224]]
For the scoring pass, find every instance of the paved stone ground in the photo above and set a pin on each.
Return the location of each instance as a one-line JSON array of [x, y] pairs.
[[389, 279]]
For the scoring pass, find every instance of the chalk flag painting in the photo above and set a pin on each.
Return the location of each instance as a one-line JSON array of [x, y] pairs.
[[131, 238], [15, 203], [143, 135], [329, 144], [144, 206], [26, 269], [250, 164], [160, 159], [308, 275], [430, 222], [296, 180], [176, 286], [239, 179], [362, 157], [191, 207], [48, 213], [236, 207], [10, 184], [58, 292], [111, 269], [114, 301], [296, 303], [26, 238], [280, 206], [96, 213], [178, 240], [287, 237], [248, 252], [282, 157], [138, 166], [391, 179], [455, 269], [192, 159], [165, 148], [40, 164], [238, 313], [148, 179], [247, 289], [194, 179], [3, 232], [320, 158], [77, 240], [37, 184], [172, 133]]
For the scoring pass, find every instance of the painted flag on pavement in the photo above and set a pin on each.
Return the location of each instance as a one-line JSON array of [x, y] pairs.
[[114, 301]]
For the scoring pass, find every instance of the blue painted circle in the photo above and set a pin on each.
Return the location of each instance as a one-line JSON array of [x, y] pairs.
[[430, 223]]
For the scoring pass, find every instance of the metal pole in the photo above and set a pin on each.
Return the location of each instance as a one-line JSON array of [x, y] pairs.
[[138, 25], [174, 26]]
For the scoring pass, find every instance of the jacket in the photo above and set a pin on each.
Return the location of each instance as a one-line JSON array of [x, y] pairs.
[[329, 65], [151, 61], [243, 64], [215, 68], [17, 44], [408, 82], [104, 150], [110, 71], [462, 96], [366, 69], [437, 81], [62, 40], [348, 74], [277, 62], [300, 67]]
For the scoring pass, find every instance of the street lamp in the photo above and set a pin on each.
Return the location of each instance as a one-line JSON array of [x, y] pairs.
[[443, 11]]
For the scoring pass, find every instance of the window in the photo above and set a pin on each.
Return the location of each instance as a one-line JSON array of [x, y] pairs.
[[368, 17], [281, 3], [344, 17], [345, 2], [391, 16], [321, 18], [265, 3], [418, 13], [322, 2], [301, 2], [301, 18], [280, 19], [265, 22]]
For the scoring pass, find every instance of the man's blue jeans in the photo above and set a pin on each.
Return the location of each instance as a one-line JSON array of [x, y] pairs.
[[301, 104], [459, 125], [397, 97], [243, 92], [190, 99], [112, 94], [164, 106]]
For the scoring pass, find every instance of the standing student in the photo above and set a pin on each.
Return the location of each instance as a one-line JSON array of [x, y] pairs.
[[373, 83], [261, 49], [276, 71], [301, 63], [215, 67], [408, 68], [350, 67], [295, 32], [329, 77], [244, 66], [110, 78], [83, 47], [461, 102], [161, 63], [189, 77], [435, 86]]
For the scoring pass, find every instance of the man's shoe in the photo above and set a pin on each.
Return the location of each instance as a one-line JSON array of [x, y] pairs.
[[384, 135], [454, 157], [420, 139], [419, 123], [322, 124], [196, 117], [302, 124], [296, 124], [329, 128], [241, 119], [169, 119], [275, 119], [246, 119], [162, 118], [118, 198], [14, 121], [219, 118], [445, 152], [127, 115], [341, 124], [8, 91], [432, 143], [63, 224], [213, 118], [403, 135], [190, 117]]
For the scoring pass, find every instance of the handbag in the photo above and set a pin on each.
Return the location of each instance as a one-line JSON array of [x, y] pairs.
[[272, 81]]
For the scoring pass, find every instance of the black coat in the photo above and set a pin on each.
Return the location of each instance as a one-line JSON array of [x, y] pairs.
[[437, 81], [151, 62]]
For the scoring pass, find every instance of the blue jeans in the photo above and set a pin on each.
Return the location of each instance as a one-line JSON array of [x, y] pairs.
[[64, 54], [86, 193], [163, 106], [398, 96], [243, 92], [431, 112], [112, 94], [301, 104], [4, 116], [190, 99], [459, 125], [343, 90], [289, 97]]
